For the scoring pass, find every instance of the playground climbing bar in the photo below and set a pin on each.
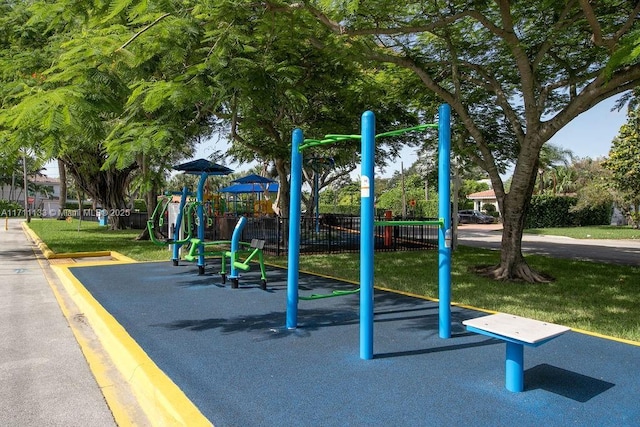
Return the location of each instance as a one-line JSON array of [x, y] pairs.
[[367, 223]]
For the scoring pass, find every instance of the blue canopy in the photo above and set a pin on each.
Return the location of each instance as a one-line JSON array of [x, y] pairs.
[[253, 179], [203, 165], [251, 188]]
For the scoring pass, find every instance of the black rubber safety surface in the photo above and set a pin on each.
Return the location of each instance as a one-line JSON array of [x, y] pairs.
[[229, 352]]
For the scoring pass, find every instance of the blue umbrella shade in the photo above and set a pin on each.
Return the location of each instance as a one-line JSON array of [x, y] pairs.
[[253, 179], [202, 165], [250, 188]]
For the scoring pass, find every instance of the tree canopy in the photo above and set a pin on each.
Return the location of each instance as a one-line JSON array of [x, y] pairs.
[[624, 164], [134, 82], [514, 73]]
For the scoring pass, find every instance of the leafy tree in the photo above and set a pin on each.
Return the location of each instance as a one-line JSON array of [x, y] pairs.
[[392, 199], [624, 165], [592, 183], [551, 157], [564, 180], [287, 74], [58, 109], [513, 73]]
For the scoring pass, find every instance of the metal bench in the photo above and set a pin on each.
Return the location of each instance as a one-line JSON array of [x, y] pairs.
[[517, 332]]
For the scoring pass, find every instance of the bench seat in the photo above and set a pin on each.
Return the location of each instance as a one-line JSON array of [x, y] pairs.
[[517, 332]]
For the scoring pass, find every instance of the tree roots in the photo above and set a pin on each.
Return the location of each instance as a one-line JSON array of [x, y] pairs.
[[519, 273]]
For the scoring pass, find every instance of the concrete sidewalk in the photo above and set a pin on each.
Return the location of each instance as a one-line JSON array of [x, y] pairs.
[[45, 377]]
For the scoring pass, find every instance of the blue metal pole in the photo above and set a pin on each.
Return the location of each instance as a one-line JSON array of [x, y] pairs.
[[200, 199], [178, 226], [367, 201], [235, 245], [444, 212], [514, 367], [294, 229]]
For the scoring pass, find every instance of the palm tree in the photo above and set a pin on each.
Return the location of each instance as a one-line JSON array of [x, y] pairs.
[[551, 157]]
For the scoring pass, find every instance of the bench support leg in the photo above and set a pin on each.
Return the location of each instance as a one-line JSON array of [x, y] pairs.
[[515, 367]]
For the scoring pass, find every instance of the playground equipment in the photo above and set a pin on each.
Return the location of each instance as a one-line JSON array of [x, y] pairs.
[[368, 137], [257, 186], [237, 250], [204, 168], [158, 218]]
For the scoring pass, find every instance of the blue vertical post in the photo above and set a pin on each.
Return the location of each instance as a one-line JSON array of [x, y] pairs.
[[200, 213], [514, 369], [294, 229], [178, 226], [444, 212], [235, 245], [367, 196]]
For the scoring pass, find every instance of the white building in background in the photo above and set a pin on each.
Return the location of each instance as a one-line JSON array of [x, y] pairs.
[[483, 198], [45, 202]]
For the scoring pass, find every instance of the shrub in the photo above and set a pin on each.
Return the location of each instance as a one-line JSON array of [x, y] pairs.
[[139, 205], [8, 208], [559, 211]]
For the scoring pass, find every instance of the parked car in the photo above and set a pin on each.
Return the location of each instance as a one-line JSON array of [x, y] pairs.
[[471, 216]]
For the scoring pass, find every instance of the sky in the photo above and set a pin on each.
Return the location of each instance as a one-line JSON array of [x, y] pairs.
[[588, 135]]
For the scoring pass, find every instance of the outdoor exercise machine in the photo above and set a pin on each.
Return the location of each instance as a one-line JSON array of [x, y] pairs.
[[235, 253], [158, 217], [367, 223], [204, 168]]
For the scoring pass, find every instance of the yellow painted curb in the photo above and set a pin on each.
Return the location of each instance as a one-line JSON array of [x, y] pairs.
[[49, 254], [37, 240], [607, 337], [159, 397], [122, 258], [120, 412]]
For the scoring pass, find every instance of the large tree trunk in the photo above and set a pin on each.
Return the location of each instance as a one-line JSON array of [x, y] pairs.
[[106, 187], [514, 207], [284, 196], [284, 189], [151, 195]]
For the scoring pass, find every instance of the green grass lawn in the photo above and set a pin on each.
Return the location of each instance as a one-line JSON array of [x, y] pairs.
[[592, 232], [602, 298], [88, 236]]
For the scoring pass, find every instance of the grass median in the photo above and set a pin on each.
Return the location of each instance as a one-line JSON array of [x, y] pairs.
[[591, 232], [596, 297], [89, 236]]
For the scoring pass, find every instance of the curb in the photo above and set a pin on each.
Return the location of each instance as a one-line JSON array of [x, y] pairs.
[[49, 254], [161, 400]]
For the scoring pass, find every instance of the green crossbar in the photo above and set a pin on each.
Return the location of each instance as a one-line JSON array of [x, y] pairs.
[[405, 130], [335, 293], [332, 138]]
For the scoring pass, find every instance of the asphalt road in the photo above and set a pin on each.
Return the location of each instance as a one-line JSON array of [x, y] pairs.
[[624, 252]]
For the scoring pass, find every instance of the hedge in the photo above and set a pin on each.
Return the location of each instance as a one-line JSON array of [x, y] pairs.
[[559, 211]]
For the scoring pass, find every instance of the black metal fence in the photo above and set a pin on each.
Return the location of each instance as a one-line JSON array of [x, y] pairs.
[[330, 234], [334, 234]]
